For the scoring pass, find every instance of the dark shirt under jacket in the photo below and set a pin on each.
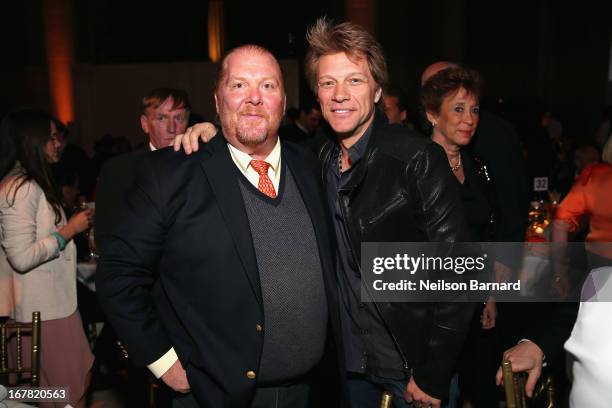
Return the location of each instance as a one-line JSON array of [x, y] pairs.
[[362, 325]]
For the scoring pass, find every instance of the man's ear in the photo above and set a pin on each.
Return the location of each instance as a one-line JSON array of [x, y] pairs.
[[377, 95], [216, 103], [144, 124]]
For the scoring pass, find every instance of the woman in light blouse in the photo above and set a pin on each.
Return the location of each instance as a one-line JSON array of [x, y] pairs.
[[37, 255]]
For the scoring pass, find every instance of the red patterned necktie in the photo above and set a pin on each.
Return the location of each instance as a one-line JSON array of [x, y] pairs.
[[265, 184]]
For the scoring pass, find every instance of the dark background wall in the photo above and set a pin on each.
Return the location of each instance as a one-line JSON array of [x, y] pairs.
[[537, 54], [549, 54], [23, 75]]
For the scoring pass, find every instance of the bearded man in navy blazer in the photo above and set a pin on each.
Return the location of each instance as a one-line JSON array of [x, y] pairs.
[[220, 275]]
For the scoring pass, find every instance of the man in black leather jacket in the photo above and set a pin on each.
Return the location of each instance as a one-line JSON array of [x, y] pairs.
[[385, 184]]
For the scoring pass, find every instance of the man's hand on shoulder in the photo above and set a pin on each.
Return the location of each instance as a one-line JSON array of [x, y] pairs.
[[414, 395], [190, 139], [176, 378]]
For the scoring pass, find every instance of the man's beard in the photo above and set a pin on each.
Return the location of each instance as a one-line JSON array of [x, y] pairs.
[[252, 132]]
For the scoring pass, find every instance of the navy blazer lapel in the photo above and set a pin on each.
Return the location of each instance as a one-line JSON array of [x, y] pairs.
[[220, 171]]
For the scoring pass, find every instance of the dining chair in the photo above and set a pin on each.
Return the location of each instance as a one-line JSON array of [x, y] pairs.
[[514, 387], [13, 332]]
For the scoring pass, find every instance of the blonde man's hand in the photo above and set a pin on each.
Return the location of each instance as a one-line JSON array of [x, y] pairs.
[[189, 140]]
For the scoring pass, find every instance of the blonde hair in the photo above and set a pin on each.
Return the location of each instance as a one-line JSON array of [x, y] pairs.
[[353, 40], [157, 96]]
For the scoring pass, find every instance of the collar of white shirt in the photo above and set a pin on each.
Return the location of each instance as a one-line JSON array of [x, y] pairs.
[[243, 161]]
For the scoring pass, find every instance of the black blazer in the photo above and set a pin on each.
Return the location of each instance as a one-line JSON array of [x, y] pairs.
[[180, 269], [116, 178]]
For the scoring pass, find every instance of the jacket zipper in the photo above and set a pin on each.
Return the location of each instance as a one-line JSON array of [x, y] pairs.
[[382, 317]]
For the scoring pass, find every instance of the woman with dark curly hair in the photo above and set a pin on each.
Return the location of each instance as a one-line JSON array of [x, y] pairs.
[[37, 255]]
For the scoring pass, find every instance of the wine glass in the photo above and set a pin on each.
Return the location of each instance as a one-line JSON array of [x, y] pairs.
[[93, 250], [89, 233]]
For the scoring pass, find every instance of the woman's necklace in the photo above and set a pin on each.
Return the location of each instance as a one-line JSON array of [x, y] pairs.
[[457, 166]]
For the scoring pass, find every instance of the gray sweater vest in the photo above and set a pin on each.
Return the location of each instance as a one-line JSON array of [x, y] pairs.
[[295, 305]]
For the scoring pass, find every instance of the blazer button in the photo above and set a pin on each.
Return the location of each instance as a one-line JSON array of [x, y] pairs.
[[258, 327], [251, 375]]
